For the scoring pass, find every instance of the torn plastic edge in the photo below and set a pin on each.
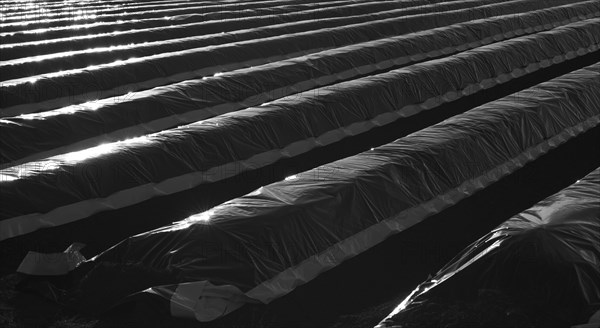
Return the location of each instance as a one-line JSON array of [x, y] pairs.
[[206, 302], [52, 264]]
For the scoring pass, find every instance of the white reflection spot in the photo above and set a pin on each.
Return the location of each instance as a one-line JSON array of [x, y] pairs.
[[291, 177], [6, 177], [88, 153], [50, 166], [256, 192], [201, 217]]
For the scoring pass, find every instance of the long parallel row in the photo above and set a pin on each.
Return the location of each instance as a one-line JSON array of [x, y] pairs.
[[260, 247], [48, 91], [59, 8], [236, 9], [184, 36], [136, 35], [241, 21], [179, 37], [34, 136], [57, 190]]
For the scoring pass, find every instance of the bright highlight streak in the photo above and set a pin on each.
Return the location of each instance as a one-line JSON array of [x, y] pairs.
[[201, 217], [291, 177]]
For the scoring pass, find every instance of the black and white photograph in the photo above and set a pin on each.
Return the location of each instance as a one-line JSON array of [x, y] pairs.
[[300, 164]]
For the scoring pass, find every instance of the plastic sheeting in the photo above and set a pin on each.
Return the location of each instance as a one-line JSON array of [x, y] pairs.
[[182, 12], [142, 15], [548, 255], [172, 32], [73, 186], [34, 136], [42, 92], [261, 246], [57, 13]]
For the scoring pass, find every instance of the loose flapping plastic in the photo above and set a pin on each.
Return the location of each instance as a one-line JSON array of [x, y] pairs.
[[72, 186], [547, 256], [261, 246], [56, 89], [33, 136]]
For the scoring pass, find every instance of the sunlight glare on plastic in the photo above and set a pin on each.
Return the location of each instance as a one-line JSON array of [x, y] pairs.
[[91, 105], [85, 154], [7, 177], [201, 217], [291, 177], [27, 169], [78, 156]]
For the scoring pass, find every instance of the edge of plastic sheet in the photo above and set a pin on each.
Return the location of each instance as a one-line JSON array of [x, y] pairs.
[[493, 240], [54, 264], [594, 322]]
